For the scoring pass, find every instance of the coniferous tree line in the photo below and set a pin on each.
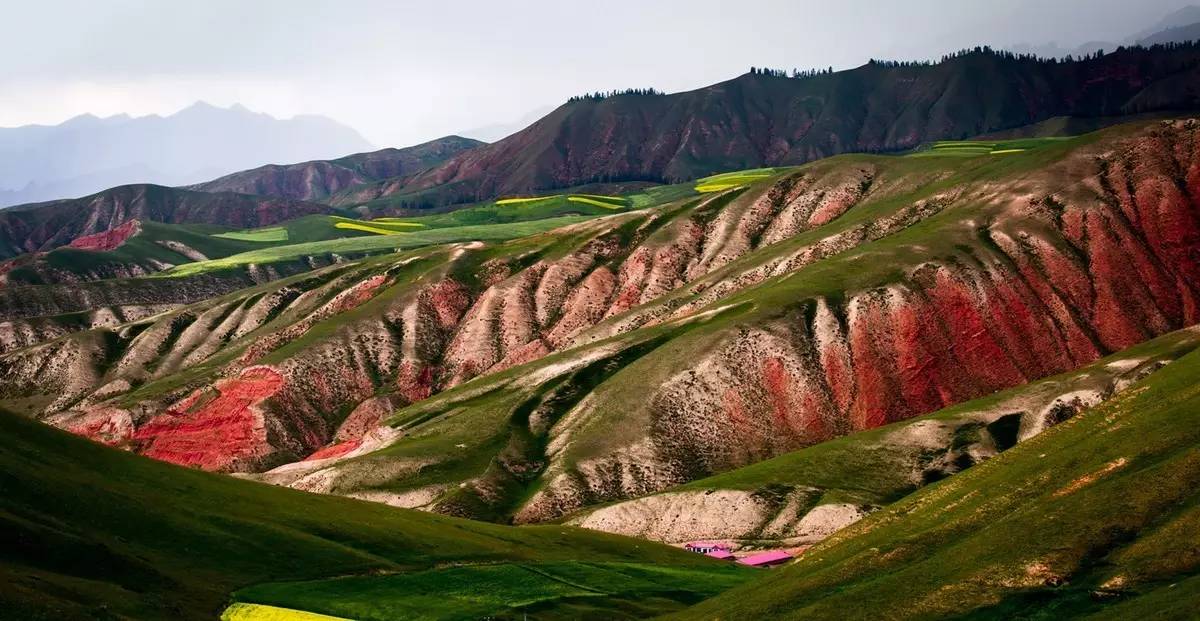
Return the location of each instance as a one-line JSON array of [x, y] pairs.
[[598, 95], [984, 50], [794, 73]]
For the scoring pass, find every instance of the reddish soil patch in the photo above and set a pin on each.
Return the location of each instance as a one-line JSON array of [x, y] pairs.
[[108, 240], [334, 450], [219, 433]]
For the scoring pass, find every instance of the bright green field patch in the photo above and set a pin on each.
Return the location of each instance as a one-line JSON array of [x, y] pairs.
[[566, 590], [518, 201], [603, 197], [598, 203], [258, 612], [269, 234]]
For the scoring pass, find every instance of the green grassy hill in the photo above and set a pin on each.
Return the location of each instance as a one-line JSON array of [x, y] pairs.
[[1096, 517], [93, 533]]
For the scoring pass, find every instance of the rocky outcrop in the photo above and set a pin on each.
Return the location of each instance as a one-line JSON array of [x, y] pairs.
[[107, 240]]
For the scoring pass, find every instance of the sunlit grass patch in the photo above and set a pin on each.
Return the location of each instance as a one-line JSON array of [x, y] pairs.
[[269, 234]]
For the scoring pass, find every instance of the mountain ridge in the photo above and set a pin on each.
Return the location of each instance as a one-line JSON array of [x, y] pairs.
[[764, 119], [315, 180]]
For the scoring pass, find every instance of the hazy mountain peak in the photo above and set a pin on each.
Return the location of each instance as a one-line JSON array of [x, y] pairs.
[[1183, 17], [88, 153]]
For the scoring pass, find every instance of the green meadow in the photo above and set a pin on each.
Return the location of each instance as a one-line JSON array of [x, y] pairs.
[[554, 590]]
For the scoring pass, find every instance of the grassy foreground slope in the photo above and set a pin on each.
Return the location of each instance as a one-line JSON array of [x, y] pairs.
[[1096, 516], [91, 532], [567, 590]]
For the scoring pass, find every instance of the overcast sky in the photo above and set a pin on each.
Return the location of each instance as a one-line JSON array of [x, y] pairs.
[[404, 72]]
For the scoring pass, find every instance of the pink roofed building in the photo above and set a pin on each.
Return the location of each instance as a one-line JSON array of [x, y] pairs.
[[724, 555], [769, 558]]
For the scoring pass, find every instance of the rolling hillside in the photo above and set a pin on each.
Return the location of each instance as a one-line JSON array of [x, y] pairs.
[[90, 532], [623, 355]]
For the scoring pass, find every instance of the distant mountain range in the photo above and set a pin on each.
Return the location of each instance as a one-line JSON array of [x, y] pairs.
[[320, 179], [1176, 27], [87, 153]]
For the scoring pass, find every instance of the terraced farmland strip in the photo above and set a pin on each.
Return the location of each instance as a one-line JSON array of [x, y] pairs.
[[272, 234], [380, 243], [598, 203]]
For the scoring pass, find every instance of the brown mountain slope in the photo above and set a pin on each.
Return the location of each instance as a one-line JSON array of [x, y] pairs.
[[762, 120], [317, 180]]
